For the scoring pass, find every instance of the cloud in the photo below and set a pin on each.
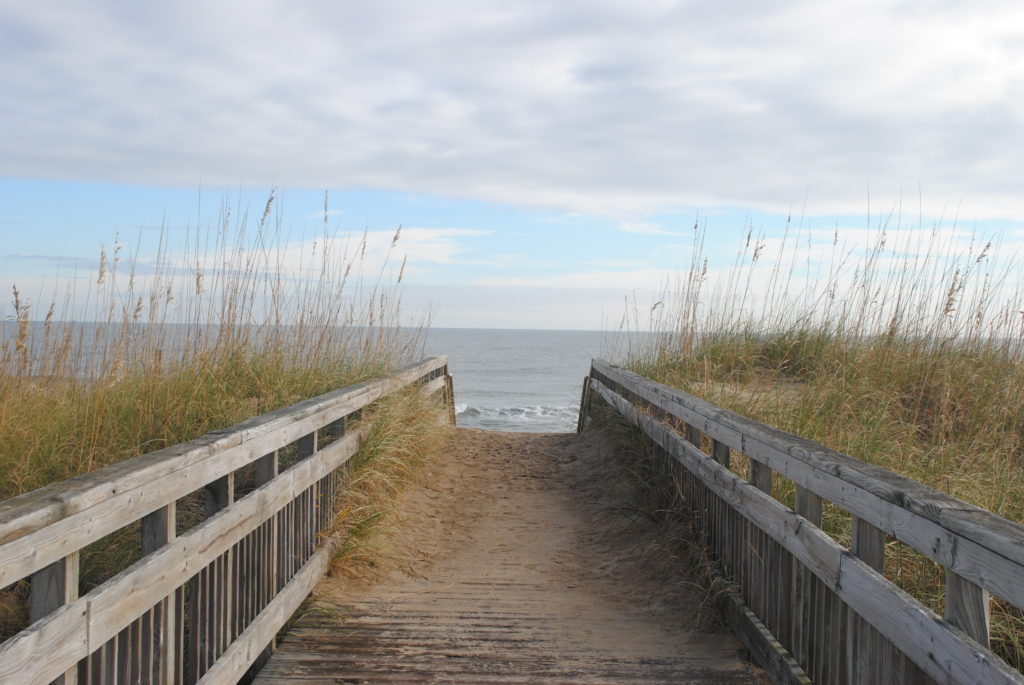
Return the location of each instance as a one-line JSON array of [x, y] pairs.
[[430, 245], [53, 260], [644, 228], [535, 308], [646, 279], [595, 111]]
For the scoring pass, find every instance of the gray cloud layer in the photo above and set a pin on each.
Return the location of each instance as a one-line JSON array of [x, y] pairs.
[[600, 106]]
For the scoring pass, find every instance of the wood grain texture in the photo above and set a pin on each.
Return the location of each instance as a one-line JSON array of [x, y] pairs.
[[40, 527], [977, 545], [133, 624], [916, 631], [968, 608]]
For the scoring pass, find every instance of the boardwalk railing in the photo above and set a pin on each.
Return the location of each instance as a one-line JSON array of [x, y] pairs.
[[205, 604], [810, 609]]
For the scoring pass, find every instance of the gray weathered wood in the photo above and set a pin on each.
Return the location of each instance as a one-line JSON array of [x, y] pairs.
[[265, 468], [129, 640], [584, 405], [907, 624], [868, 543], [968, 608], [808, 505], [158, 529], [978, 545], [249, 645], [45, 525], [98, 617], [782, 668], [760, 476], [692, 435], [720, 452], [52, 588]]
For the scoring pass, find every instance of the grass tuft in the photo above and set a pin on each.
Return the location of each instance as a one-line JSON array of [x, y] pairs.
[[200, 330], [907, 353]]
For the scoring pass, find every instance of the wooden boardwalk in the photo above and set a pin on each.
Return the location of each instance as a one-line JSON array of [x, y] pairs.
[[523, 575], [521, 557]]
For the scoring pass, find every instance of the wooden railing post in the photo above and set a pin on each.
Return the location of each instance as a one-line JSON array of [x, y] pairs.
[[869, 656], [158, 529], [581, 422], [449, 393], [51, 588], [868, 543], [306, 503], [211, 590], [692, 435], [809, 506], [760, 476], [720, 452], [306, 445], [967, 607], [188, 598], [266, 470], [846, 622]]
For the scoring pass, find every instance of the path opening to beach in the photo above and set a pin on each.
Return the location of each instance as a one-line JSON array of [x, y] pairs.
[[516, 557]]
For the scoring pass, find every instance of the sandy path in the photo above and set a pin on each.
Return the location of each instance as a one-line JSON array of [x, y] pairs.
[[511, 564]]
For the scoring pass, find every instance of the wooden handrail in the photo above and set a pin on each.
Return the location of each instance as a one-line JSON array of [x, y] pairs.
[[207, 601], [981, 551]]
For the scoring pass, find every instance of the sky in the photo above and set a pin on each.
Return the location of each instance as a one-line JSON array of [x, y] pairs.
[[547, 161]]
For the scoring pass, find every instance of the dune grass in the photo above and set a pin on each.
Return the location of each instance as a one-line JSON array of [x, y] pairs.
[[906, 353], [405, 438], [222, 323]]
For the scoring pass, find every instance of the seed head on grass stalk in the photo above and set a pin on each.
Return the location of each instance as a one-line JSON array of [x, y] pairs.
[[219, 323], [907, 353]]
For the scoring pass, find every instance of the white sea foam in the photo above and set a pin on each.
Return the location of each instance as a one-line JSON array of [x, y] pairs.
[[527, 419]]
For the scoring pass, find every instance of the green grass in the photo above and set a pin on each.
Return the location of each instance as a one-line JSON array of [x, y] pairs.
[[907, 355]]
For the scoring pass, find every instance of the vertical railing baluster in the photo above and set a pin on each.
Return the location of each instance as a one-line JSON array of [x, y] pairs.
[[967, 607], [51, 588], [863, 652], [211, 592], [158, 529], [808, 505], [266, 469]]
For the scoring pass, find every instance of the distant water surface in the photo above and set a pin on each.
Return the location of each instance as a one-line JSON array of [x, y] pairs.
[[521, 380], [508, 380]]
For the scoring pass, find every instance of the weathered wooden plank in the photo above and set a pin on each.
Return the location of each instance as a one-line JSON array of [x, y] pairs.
[[267, 468], [968, 607], [158, 529], [449, 396], [584, 414], [249, 645], [808, 505], [45, 525], [760, 476], [48, 648], [904, 621], [978, 545], [101, 614], [868, 543], [780, 665], [52, 588], [720, 452]]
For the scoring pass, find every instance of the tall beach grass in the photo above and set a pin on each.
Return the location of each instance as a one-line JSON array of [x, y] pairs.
[[905, 350], [219, 323]]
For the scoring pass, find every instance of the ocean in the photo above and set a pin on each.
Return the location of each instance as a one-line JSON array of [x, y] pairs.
[[521, 380], [507, 380]]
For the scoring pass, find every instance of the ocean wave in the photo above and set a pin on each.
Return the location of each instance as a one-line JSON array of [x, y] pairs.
[[536, 419]]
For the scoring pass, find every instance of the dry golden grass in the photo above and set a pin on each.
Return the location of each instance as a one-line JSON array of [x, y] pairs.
[[234, 321], [909, 355]]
